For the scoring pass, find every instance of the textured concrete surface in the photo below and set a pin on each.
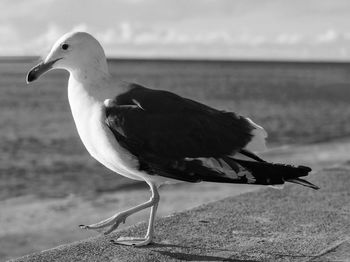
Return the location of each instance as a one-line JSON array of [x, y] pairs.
[[294, 224]]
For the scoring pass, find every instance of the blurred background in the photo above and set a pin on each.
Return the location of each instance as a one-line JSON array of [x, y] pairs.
[[282, 63]]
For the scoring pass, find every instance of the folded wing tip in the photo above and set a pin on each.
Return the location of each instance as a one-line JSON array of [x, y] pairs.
[[258, 141]]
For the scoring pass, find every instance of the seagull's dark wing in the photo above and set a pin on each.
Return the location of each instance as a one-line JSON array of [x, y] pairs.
[[178, 138], [163, 124], [173, 136]]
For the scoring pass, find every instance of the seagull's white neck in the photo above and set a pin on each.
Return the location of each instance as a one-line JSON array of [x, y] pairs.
[[89, 80], [90, 86], [89, 71], [87, 89]]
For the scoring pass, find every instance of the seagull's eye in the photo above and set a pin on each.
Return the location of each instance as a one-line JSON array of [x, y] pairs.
[[65, 46]]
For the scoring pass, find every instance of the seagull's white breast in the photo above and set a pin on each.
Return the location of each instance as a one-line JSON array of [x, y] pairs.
[[89, 116]]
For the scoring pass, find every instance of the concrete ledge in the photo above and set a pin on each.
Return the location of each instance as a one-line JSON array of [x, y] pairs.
[[295, 224]]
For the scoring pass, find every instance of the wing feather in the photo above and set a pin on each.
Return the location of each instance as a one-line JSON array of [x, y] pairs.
[[182, 139], [162, 124]]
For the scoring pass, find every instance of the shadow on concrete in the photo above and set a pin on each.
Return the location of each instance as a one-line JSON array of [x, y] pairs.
[[164, 245], [196, 257], [191, 256]]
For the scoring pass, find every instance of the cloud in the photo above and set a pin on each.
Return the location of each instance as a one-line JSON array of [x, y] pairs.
[[127, 39], [329, 36], [126, 33], [289, 39]]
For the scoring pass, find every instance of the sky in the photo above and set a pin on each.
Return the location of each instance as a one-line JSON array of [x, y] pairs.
[[219, 29]]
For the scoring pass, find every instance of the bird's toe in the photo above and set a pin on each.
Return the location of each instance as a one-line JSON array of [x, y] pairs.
[[118, 220], [132, 241]]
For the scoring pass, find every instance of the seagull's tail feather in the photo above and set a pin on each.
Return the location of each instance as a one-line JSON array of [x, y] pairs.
[[274, 174], [303, 182], [229, 170]]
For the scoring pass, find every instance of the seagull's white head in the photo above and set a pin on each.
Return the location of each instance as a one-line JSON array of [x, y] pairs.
[[78, 52]]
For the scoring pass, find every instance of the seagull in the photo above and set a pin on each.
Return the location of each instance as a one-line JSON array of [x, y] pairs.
[[156, 136]]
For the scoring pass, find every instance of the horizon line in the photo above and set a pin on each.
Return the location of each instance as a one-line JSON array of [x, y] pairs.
[[12, 58]]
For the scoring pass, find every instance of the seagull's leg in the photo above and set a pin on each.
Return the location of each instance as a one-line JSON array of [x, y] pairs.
[[118, 218], [132, 241]]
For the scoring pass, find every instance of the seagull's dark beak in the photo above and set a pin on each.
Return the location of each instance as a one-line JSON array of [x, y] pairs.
[[40, 69]]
